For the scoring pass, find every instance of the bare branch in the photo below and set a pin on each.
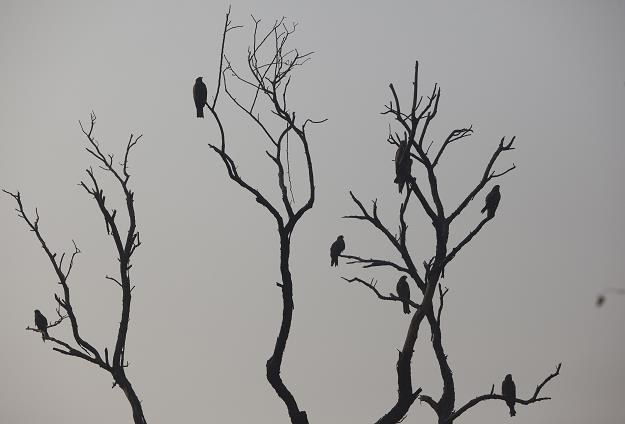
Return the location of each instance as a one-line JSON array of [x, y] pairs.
[[466, 240], [535, 397], [454, 136], [33, 225], [486, 177], [372, 263], [372, 285], [441, 296], [227, 27]]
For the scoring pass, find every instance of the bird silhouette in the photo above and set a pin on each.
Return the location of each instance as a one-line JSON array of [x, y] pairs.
[[403, 292], [42, 324], [492, 201], [508, 391], [335, 250], [199, 96], [403, 165]]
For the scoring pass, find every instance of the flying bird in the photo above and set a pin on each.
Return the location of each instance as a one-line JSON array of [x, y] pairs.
[[403, 292], [492, 201], [335, 250], [42, 324], [508, 391], [199, 96], [403, 165]]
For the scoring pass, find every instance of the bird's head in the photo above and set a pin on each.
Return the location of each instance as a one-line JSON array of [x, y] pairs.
[[340, 237], [496, 188], [37, 312], [198, 79], [508, 376], [403, 278]]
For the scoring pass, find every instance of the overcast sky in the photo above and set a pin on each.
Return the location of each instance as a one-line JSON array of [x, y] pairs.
[[206, 309]]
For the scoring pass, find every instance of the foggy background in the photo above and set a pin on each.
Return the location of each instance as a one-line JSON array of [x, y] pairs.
[[206, 309]]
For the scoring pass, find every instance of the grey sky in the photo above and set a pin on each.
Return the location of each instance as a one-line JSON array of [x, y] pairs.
[[206, 309]]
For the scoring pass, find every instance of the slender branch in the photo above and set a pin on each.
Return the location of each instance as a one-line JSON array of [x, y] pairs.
[[373, 286], [234, 176], [441, 296], [227, 27], [535, 397], [373, 219], [466, 240], [488, 175], [33, 225], [455, 135], [372, 263]]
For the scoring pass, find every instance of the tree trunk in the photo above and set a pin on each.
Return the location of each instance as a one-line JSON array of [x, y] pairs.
[[274, 363], [133, 399]]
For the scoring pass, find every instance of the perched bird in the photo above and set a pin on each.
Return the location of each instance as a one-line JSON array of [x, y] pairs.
[[600, 300], [199, 96], [492, 201], [508, 391], [42, 324], [403, 165], [403, 292], [335, 250]]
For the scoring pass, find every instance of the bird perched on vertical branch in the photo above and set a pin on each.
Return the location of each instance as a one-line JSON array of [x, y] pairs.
[[199, 96], [403, 292], [403, 164], [335, 250], [508, 391], [42, 324], [492, 201]]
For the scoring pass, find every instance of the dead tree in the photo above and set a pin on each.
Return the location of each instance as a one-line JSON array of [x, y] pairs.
[[271, 64], [125, 243], [413, 126]]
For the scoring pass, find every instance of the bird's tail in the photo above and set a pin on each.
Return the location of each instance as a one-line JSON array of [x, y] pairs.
[[44, 335], [200, 112], [512, 411], [334, 261], [406, 307]]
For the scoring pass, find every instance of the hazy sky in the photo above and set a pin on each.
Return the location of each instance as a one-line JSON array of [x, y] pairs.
[[206, 309]]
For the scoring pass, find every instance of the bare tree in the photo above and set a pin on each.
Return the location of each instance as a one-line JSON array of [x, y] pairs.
[[125, 243], [409, 140], [271, 64]]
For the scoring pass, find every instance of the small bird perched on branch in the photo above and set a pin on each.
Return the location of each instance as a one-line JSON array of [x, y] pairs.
[[403, 164], [508, 391], [199, 96], [335, 250], [42, 324], [403, 292], [492, 201]]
